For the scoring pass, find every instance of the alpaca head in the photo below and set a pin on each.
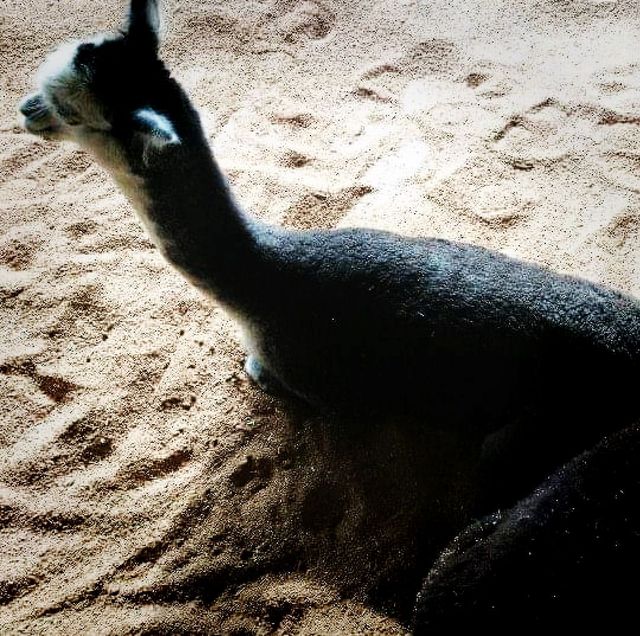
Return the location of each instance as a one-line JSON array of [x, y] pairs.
[[110, 91]]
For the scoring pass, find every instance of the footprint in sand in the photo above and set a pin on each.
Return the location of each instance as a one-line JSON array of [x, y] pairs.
[[293, 159], [304, 20], [254, 470], [612, 87], [19, 253], [149, 469], [84, 314], [293, 120], [80, 443], [81, 228], [54, 387], [71, 164], [323, 209], [88, 440], [488, 192], [431, 59], [18, 516], [499, 206], [16, 587], [14, 162], [621, 168], [624, 229], [473, 80], [545, 133], [435, 57]]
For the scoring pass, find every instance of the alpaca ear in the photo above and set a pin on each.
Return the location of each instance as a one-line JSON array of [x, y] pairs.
[[156, 129], [143, 23]]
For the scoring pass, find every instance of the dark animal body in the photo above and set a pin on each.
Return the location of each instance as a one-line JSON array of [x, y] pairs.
[[531, 366], [566, 557], [361, 319]]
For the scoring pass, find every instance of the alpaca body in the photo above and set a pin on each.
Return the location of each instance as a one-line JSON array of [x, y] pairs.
[[362, 320]]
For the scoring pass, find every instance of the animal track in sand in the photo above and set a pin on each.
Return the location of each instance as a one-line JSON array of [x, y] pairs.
[[610, 118], [618, 103], [621, 169], [380, 69], [384, 82], [488, 192], [611, 88], [81, 228], [543, 134], [72, 163], [208, 28], [295, 120], [618, 80], [18, 254], [86, 436], [293, 159], [178, 403], [56, 388], [146, 555], [323, 209], [49, 521], [432, 57], [473, 80], [83, 314], [82, 443], [500, 208], [374, 94], [15, 162], [252, 469], [623, 229], [302, 20], [148, 469], [14, 588]]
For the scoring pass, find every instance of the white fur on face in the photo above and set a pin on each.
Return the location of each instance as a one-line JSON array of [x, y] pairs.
[[64, 85]]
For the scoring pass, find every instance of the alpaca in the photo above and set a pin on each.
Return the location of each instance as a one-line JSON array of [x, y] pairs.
[[524, 361]]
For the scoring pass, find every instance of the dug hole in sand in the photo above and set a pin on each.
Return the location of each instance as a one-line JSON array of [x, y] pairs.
[[145, 484]]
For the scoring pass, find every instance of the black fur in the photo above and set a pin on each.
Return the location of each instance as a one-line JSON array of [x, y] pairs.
[[565, 558]]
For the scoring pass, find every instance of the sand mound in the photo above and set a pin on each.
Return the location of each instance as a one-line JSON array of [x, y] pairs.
[[145, 485]]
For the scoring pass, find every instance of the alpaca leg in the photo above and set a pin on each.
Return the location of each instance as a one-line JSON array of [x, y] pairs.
[[262, 377]]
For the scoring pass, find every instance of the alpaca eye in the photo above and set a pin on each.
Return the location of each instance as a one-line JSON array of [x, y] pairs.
[[85, 56], [86, 50]]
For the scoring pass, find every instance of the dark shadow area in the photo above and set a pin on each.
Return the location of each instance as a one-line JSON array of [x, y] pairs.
[[365, 505]]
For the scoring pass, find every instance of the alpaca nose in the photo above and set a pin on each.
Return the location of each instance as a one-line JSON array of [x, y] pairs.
[[33, 106], [38, 118]]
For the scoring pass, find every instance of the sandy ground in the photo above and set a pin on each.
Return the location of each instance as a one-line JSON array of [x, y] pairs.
[[145, 485]]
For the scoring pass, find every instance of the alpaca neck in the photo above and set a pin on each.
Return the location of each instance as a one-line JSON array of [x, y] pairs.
[[183, 200]]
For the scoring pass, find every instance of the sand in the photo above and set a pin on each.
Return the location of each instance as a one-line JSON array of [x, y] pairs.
[[145, 484]]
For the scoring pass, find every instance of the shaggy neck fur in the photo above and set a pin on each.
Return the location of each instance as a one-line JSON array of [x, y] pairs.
[[183, 199], [197, 224]]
